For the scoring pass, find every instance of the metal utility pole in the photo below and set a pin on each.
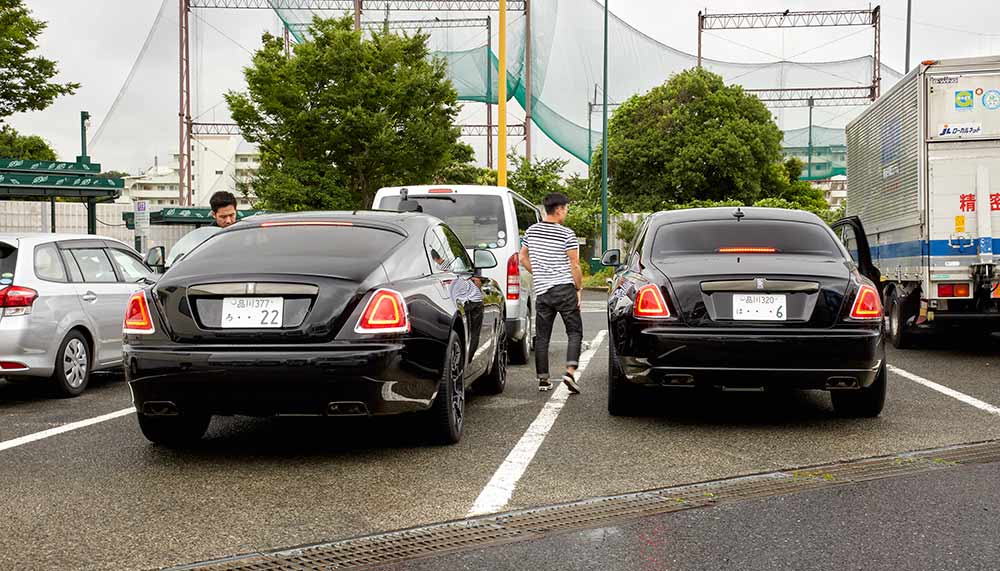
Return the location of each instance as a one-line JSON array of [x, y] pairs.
[[701, 27], [604, 141], [809, 171], [489, 93], [184, 113], [527, 80], [357, 15], [502, 99], [909, 11], [84, 123], [288, 42]]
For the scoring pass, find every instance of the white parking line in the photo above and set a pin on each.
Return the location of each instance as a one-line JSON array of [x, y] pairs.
[[985, 406], [501, 486], [21, 440]]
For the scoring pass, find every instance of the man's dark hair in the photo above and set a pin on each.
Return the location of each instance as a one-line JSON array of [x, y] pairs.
[[554, 200], [222, 199]]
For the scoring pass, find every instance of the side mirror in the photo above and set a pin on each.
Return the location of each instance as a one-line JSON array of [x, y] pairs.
[[155, 257], [483, 260], [611, 258]]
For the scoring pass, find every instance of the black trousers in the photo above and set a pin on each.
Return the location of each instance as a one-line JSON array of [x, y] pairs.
[[562, 300]]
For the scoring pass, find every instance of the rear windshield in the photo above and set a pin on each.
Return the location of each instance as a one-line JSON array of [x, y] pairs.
[[331, 250], [708, 236], [477, 219], [8, 258]]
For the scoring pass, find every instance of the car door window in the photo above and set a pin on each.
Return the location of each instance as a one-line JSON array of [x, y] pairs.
[[48, 265], [437, 252], [459, 261], [850, 242], [95, 265], [130, 267]]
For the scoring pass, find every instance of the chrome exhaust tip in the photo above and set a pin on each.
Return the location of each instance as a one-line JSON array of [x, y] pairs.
[[842, 383], [347, 408], [159, 408]]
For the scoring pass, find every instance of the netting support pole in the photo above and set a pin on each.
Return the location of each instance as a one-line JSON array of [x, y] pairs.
[[809, 156], [357, 15], [909, 12], [489, 93], [527, 81], [701, 26], [502, 99], [877, 72], [184, 112], [604, 141]]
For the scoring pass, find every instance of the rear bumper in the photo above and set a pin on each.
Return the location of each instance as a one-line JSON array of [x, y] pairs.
[[265, 383], [20, 344], [517, 328], [807, 359]]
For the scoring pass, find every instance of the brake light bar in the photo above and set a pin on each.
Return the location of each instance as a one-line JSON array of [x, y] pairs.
[[440, 191], [305, 223], [16, 300], [747, 250], [385, 312], [867, 304], [650, 303], [138, 321], [514, 277]]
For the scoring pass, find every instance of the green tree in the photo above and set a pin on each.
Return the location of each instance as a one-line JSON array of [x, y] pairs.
[[13, 145], [533, 180], [692, 138], [344, 116], [24, 79], [113, 174]]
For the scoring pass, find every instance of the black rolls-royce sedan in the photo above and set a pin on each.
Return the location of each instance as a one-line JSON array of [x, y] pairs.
[[746, 298], [325, 313]]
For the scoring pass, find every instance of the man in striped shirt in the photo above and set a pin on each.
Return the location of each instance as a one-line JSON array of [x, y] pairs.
[[550, 252]]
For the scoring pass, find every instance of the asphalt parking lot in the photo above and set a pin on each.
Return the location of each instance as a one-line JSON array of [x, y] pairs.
[[102, 497]]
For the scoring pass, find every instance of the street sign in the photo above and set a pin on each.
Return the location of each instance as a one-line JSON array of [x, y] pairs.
[[58, 181], [142, 217], [49, 167]]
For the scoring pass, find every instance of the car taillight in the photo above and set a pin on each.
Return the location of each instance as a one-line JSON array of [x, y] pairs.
[[867, 304], [953, 290], [385, 313], [514, 277], [747, 250], [16, 300], [138, 321], [649, 303]]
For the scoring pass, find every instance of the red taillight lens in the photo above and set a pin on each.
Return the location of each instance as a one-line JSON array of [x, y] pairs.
[[385, 313], [514, 277], [138, 321], [649, 302], [867, 304], [17, 300], [953, 290], [747, 250]]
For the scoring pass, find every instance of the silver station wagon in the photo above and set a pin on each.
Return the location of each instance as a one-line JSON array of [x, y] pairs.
[[62, 302]]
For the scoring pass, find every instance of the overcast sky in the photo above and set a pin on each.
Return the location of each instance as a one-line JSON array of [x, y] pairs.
[[96, 43]]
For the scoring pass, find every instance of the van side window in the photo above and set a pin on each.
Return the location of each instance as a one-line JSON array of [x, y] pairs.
[[526, 214], [48, 265]]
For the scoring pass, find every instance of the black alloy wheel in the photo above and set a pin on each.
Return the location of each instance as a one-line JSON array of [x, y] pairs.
[[496, 379], [447, 414]]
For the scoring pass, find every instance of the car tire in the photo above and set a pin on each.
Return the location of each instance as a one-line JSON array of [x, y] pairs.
[[495, 380], [621, 395], [866, 402], [446, 418], [520, 351], [174, 431], [898, 334], [72, 367]]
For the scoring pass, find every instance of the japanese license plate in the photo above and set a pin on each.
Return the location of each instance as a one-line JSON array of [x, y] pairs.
[[759, 307], [252, 312]]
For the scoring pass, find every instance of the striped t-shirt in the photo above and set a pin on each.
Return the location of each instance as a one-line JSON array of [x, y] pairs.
[[547, 244]]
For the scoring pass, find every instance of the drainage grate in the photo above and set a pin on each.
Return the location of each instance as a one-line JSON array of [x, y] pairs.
[[521, 525]]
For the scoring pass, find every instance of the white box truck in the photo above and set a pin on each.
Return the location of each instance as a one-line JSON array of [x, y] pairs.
[[923, 167]]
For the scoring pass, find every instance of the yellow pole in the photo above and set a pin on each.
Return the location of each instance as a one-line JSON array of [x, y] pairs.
[[502, 99]]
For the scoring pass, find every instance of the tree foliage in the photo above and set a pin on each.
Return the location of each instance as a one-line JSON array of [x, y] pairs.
[[533, 180], [344, 116], [13, 145], [24, 78], [692, 138]]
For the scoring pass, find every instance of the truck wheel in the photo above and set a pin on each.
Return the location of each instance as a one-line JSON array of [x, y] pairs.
[[898, 334], [866, 402]]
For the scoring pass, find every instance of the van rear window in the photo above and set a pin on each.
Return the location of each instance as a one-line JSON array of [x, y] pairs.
[[720, 236], [8, 259], [478, 219]]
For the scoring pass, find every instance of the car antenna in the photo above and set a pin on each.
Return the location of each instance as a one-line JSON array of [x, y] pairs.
[[739, 214]]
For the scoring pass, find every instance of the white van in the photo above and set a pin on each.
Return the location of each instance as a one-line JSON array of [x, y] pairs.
[[490, 217]]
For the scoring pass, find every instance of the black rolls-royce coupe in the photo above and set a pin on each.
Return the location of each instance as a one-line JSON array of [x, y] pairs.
[[746, 298], [324, 313]]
